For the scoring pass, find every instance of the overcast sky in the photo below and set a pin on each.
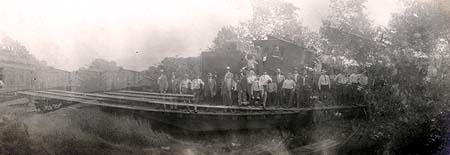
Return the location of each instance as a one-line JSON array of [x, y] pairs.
[[69, 34]]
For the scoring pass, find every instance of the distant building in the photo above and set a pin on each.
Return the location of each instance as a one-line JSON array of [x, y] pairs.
[[16, 71], [51, 78], [89, 80]]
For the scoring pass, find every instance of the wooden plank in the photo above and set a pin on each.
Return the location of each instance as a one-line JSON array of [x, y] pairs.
[[153, 93], [67, 92], [144, 96]]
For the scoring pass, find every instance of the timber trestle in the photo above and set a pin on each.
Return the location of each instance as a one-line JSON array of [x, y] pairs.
[[149, 101], [179, 109]]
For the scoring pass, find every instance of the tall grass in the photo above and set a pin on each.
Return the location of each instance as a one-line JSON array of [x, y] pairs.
[[14, 139], [120, 129], [72, 131]]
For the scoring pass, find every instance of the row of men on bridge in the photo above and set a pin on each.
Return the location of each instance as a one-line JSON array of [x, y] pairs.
[[296, 89]]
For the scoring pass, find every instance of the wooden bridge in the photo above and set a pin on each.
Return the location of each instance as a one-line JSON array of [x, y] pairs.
[[178, 109]]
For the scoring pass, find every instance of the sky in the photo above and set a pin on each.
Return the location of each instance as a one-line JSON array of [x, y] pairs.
[[69, 34]]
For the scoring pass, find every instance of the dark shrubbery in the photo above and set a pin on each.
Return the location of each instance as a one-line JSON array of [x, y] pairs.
[[14, 139]]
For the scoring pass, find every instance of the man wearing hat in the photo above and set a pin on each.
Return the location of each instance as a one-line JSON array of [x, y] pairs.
[[304, 87], [197, 85], [341, 84], [324, 85], [227, 87], [288, 90], [174, 83], [162, 82], [363, 80], [210, 88], [242, 86], [279, 79], [264, 82]]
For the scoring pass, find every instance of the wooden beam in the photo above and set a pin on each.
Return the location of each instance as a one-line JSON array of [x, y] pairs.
[[144, 96], [71, 95], [152, 93]]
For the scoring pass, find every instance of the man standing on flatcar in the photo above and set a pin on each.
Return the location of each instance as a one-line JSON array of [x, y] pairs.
[[185, 85], [354, 84], [296, 76], [363, 80], [341, 87], [288, 90], [271, 93], [227, 86], [279, 79], [218, 88], [264, 82], [162, 82], [303, 88], [197, 85], [251, 76], [324, 85], [210, 88], [174, 84], [1, 84], [242, 89]]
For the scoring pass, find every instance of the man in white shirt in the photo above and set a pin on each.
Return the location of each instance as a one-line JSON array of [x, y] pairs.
[[288, 89], [264, 82], [185, 85], [1, 84], [324, 85], [251, 62], [197, 85]]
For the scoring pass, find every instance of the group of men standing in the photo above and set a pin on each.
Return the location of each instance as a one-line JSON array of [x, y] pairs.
[[294, 89]]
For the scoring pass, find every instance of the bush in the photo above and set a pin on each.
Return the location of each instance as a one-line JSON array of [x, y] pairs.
[[120, 129], [14, 139]]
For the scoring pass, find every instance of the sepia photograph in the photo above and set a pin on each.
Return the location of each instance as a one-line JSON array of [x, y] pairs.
[[224, 77]]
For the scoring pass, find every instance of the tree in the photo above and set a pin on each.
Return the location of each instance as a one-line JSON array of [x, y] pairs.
[[348, 32], [103, 65], [270, 17]]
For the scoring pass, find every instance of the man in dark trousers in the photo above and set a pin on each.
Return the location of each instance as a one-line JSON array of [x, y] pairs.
[[174, 84], [279, 79], [163, 82], [242, 89], [304, 86], [227, 87], [210, 89]]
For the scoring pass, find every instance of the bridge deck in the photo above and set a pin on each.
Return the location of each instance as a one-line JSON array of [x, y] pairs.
[[152, 102]]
